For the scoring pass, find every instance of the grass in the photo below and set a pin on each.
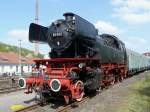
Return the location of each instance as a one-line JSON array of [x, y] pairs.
[[24, 52], [139, 99]]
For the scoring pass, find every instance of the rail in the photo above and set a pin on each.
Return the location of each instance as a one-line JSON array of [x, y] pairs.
[[10, 89]]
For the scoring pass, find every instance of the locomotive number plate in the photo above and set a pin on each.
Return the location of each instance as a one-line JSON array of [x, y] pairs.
[[57, 34]]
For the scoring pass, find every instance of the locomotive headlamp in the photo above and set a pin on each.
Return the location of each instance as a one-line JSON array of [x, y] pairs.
[[55, 85], [81, 65], [22, 82]]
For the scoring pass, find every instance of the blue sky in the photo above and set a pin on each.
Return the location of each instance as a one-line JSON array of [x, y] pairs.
[[127, 19]]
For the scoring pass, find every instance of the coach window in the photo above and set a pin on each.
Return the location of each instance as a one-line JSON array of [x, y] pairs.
[[2, 68], [16, 68], [11, 66], [28, 68]]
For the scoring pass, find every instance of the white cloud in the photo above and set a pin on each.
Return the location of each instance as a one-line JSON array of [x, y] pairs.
[[133, 4], [116, 2], [106, 27], [132, 11], [18, 34], [137, 18], [136, 44]]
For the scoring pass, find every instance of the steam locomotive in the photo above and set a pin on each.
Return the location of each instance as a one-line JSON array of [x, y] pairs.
[[81, 61]]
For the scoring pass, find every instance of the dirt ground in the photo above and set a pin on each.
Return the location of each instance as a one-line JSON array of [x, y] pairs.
[[117, 98]]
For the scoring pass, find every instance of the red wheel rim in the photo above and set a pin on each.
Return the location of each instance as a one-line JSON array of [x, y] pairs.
[[79, 90]]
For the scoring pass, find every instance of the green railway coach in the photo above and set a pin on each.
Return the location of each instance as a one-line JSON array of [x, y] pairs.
[[136, 61]]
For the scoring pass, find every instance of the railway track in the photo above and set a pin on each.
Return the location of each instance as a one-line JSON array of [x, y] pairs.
[[8, 85], [10, 89], [61, 109], [14, 77], [28, 108], [72, 105]]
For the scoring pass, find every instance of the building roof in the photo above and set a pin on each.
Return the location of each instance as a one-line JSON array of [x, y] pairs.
[[13, 58], [147, 54]]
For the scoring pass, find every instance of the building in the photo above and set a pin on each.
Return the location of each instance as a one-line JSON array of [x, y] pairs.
[[147, 54], [9, 64]]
